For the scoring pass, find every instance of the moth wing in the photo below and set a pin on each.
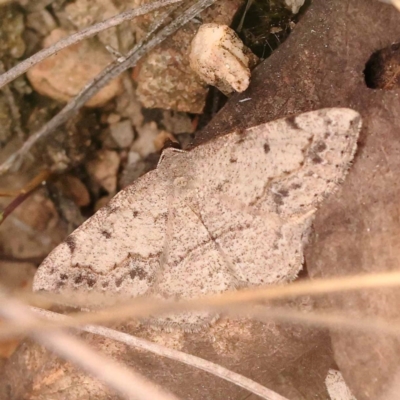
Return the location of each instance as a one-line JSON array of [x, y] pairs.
[[231, 212], [327, 158], [256, 191], [118, 249], [193, 266], [146, 241], [287, 166]]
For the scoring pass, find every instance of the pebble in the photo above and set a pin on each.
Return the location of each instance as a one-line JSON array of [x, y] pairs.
[[63, 75], [122, 133]]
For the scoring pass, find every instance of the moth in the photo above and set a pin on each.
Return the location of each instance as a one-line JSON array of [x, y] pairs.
[[232, 213]]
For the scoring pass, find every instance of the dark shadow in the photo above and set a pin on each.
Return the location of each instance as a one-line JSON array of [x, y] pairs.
[[382, 71]]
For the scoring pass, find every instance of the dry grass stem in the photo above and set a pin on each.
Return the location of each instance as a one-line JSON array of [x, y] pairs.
[[23, 194], [88, 32], [329, 320], [163, 351], [113, 70], [141, 308], [116, 376]]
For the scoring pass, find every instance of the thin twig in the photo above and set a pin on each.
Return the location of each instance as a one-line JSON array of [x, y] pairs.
[[23, 194], [240, 26], [116, 376], [322, 320], [33, 184], [331, 320], [142, 308], [180, 356], [21, 260], [85, 33], [101, 80]]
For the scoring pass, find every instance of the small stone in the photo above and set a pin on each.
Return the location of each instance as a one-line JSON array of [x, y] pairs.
[[128, 106], [113, 118], [63, 75], [177, 123], [162, 138], [83, 13], [11, 30], [41, 21], [67, 208], [122, 133], [164, 77], [133, 157], [36, 5], [144, 145], [75, 189], [38, 213], [107, 141], [275, 29], [103, 170], [33, 229], [162, 85], [221, 59], [294, 5]]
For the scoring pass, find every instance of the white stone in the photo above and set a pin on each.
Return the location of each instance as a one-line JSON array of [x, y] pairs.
[[220, 58], [294, 5], [122, 133], [104, 168], [144, 144]]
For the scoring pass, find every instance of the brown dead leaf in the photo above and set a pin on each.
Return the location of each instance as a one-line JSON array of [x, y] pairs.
[[322, 65]]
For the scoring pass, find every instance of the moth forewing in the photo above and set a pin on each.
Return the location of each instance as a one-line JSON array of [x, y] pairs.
[[233, 212]]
